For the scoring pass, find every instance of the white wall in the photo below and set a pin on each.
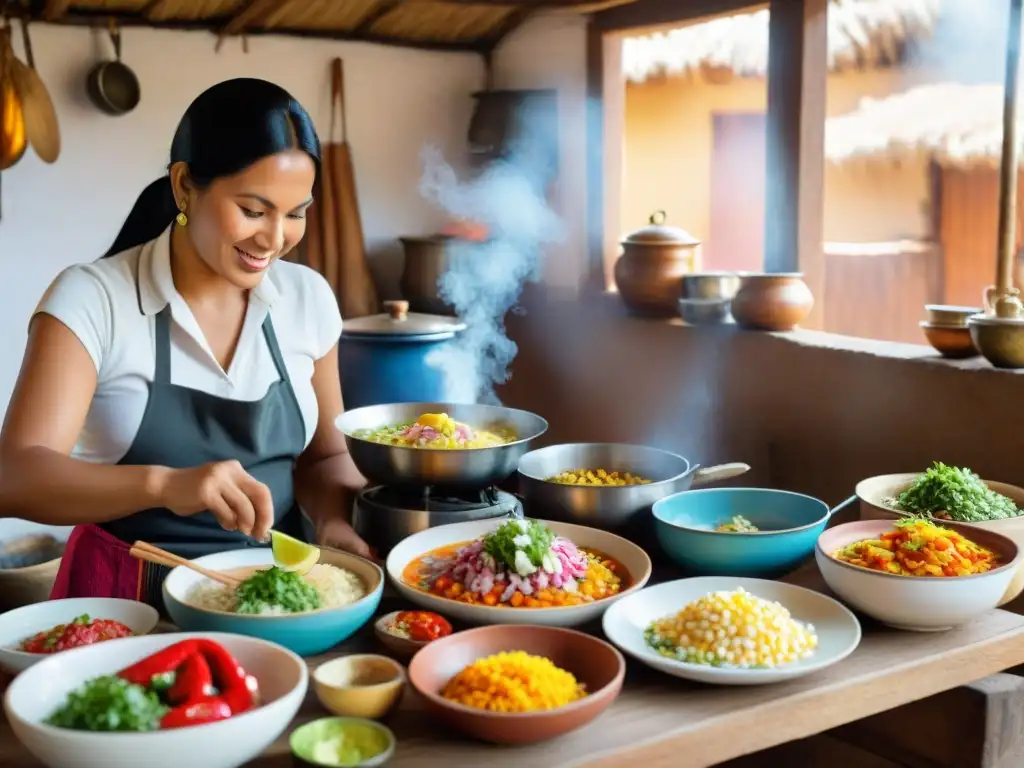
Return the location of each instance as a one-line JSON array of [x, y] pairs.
[[550, 51], [69, 212]]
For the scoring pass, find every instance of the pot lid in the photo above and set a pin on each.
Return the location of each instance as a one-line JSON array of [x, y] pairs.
[[657, 233], [397, 320]]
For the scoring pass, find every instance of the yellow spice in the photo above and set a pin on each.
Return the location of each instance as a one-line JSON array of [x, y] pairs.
[[597, 477], [513, 681]]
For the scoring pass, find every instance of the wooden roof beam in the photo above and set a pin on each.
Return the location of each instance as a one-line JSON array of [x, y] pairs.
[[54, 9], [258, 13], [375, 14]]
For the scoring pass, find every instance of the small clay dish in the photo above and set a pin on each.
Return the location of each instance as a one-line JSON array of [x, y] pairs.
[[595, 663], [318, 743], [953, 342], [360, 685]]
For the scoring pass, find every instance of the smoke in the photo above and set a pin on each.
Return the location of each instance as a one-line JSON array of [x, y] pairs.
[[969, 43], [483, 280]]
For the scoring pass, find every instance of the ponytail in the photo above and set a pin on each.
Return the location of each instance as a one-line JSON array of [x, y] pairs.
[[152, 213]]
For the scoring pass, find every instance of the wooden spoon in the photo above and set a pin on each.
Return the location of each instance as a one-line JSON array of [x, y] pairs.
[[41, 126], [151, 554]]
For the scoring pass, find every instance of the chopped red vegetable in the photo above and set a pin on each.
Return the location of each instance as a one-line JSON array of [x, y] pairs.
[[75, 634], [422, 626]]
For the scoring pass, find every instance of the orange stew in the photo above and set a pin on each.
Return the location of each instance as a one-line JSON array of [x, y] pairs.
[[604, 577]]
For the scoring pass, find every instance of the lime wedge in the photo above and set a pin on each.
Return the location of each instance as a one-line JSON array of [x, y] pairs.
[[291, 554]]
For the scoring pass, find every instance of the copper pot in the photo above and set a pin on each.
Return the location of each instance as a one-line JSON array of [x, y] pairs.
[[653, 261], [778, 302]]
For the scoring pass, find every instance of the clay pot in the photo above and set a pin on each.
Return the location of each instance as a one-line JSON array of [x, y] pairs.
[[776, 302], [653, 262], [1000, 340]]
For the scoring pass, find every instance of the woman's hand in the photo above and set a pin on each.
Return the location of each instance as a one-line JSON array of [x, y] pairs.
[[337, 533], [236, 499]]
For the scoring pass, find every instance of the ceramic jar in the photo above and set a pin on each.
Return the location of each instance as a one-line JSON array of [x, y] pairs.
[[653, 262], [776, 302]]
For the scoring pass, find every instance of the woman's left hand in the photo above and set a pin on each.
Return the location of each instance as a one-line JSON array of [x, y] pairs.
[[336, 532]]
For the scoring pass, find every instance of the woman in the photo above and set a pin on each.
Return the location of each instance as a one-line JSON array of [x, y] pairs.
[[182, 390]]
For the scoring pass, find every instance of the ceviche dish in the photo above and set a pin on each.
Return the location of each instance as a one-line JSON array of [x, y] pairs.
[[918, 547], [77, 633], [275, 591], [437, 431], [520, 564], [732, 629], [189, 683]]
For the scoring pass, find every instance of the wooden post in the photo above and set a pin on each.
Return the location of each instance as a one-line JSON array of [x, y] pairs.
[[797, 82]]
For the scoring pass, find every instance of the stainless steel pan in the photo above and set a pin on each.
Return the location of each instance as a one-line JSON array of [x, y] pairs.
[[608, 507], [471, 468]]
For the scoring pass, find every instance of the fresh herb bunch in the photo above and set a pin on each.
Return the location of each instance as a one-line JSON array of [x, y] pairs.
[[959, 493], [110, 704], [529, 537], [276, 588]]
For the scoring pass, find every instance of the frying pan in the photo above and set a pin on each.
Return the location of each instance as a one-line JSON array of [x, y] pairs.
[[111, 85], [469, 469]]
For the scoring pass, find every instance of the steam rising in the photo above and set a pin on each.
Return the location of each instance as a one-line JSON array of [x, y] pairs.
[[483, 281]]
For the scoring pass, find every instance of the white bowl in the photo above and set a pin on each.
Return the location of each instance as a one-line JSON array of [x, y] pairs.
[[919, 604], [628, 554], [837, 628], [23, 623], [37, 692], [306, 633]]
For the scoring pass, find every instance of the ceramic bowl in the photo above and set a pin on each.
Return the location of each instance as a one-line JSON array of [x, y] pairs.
[[360, 685], [30, 580], [593, 662], [837, 628], [22, 623], [872, 492], [909, 602], [1000, 341], [705, 311], [403, 647], [789, 525], [629, 555], [953, 342], [772, 302], [305, 633], [306, 740], [950, 315], [40, 690]]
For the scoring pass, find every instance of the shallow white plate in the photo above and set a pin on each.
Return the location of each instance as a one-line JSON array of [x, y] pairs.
[[33, 696], [632, 557], [20, 624], [837, 628]]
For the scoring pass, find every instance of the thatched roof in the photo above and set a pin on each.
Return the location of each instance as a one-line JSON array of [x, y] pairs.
[[957, 125], [861, 33], [469, 25]]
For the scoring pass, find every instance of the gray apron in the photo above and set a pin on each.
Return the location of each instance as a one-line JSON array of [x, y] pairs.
[[183, 428]]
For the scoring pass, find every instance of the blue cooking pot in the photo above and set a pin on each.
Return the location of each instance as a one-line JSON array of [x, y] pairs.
[[383, 358]]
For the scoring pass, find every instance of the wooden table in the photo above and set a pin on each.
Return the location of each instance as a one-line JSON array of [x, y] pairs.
[[660, 721]]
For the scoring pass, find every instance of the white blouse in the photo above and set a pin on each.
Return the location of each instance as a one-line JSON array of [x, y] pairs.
[[113, 315]]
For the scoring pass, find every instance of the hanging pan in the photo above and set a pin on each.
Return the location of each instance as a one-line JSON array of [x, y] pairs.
[[112, 86]]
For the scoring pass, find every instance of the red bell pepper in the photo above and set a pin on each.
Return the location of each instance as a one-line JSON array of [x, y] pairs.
[[160, 663], [193, 682], [239, 689], [197, 713]]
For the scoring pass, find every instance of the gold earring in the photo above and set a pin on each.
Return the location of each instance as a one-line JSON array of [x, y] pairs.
[[181, 218]]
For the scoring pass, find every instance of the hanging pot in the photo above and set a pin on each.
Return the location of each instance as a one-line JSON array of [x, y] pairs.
[[111, 85], [383, 358], [649, 272]]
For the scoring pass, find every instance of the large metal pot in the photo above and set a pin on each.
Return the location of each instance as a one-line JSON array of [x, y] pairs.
[[383, 358], [426, 259], [472, 468], [653, 262], [608, 507]]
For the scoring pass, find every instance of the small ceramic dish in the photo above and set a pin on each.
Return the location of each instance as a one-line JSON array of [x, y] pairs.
[[361, 685], [333, 741], [950, 341], [593, 662], [950, 315], [403, 647]]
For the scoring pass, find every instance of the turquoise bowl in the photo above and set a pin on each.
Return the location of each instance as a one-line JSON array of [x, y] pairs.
[[307, 634], [789, 525]]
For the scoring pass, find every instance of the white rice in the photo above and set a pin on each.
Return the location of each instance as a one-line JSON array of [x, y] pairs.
[[337, 587]]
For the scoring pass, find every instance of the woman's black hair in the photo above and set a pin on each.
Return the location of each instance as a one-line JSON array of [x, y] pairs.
[[226, 129]]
